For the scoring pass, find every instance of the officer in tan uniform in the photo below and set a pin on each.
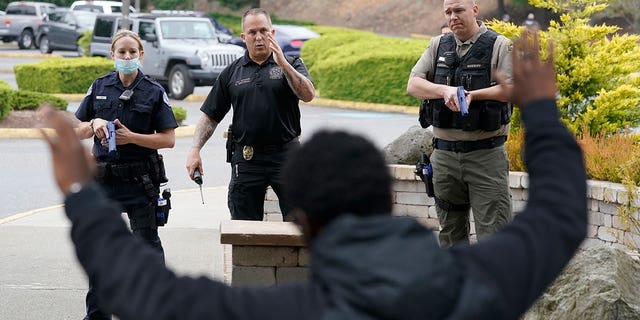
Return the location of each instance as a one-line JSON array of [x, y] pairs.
[[470, 165]]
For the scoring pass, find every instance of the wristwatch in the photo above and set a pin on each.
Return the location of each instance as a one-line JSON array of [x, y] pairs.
[[91, 125], [74, 188]]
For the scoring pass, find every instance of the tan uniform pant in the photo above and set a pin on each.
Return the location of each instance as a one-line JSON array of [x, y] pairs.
[[478, 180]]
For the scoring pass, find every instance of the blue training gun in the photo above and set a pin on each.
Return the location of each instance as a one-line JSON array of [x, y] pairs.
[[462, 101], [111, 127], [424, 170]]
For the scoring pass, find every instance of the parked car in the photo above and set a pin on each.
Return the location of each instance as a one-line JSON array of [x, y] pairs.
[[21, 21], [62, 30], [180, 51], [100, 6], [289, 37], [224, 33]]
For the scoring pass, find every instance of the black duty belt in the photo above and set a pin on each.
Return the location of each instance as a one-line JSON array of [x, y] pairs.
[[122, 170], [248, 151], [271, 147], [468, 146]]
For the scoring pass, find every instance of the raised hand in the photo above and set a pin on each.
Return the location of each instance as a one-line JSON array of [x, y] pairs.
[[533, 79]]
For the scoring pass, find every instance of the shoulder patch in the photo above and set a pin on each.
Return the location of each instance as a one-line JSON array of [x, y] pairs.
[[110, 74], [165, 98]]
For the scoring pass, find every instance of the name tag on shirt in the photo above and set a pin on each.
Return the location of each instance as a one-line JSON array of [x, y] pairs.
[[101, 97]]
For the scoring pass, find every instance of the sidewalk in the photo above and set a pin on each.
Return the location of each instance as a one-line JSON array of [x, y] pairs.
[[40, 277]]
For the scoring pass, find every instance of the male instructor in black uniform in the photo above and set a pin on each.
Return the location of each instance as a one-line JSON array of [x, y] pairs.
[[264, 88]]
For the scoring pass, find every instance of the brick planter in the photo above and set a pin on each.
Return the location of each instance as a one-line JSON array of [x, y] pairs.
[[270, 252]]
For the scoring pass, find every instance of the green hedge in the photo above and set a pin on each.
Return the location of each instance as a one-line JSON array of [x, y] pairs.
[[355, 65], [85, 41], [58, 75], [6, 94], [20, 100], [29, 100], [180, 114]]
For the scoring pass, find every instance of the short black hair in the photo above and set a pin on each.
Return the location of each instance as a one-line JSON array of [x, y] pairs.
[[336, 173]]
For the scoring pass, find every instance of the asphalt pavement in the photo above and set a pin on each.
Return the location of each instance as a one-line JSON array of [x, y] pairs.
[[40, 277]]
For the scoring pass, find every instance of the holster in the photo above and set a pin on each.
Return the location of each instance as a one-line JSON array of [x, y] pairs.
[[162, 212], [424, 170], [158, 172], [230, 145]]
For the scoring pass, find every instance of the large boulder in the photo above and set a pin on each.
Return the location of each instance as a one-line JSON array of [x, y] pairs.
[[599, 283], [406, 149]]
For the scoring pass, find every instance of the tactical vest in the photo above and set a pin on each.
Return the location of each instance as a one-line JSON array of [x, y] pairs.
[[472, 71]]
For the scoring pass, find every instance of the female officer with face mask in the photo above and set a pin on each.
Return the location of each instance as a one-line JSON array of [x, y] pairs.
[[144, 122]]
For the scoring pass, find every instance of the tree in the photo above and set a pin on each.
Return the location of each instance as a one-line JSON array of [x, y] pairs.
[[239, 4], [629, 10], [172, 4], [596, 69]]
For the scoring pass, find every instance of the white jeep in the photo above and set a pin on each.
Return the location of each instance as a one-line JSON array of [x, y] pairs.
[[180, 51]]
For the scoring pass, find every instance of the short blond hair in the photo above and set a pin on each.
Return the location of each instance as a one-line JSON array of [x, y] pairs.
[[126, 33]]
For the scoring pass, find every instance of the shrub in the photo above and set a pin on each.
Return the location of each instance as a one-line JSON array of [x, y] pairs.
[[5, 85], [29, 100], [230, 21], [515, 151], [180, 114], [85, 41], [330, 44], [361, 66], [610, 157], [19, 100], [57, 75], [598, 92], [6, 95]]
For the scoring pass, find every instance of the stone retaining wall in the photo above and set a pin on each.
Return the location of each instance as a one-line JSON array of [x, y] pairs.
[[268, 262]]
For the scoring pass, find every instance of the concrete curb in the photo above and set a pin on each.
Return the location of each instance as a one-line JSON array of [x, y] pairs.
[[363, 106], [33, 133], [29, 55]]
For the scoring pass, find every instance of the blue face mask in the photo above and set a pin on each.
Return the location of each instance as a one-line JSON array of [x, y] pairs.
[[126, 66]]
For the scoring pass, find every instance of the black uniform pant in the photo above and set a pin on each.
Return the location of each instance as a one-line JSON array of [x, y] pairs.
[[140, 209], [250, 179]]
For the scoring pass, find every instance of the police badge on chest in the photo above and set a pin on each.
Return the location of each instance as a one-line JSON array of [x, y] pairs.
[[247, 152]]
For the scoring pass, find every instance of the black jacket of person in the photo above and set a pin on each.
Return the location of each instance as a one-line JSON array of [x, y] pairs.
[[377, 267]]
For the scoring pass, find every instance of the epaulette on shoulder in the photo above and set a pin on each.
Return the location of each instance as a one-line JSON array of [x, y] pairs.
[[110, 74], [153, 81], [291, 59]]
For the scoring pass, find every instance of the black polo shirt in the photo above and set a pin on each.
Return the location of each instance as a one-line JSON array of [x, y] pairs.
[[265, 108], [148, 111]]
